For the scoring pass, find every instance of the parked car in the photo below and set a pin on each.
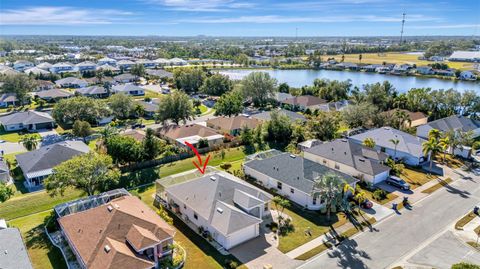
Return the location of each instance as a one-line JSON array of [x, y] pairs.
[[476, 171], [398, 182], [367, 204]]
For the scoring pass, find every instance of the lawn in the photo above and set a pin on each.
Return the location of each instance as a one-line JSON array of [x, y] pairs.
[[10, 136], [396, 58], [415, 178], [441, 183], [303, 220], [369, 194], [450, 160]]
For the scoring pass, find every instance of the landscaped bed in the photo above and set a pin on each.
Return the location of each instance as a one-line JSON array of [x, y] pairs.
[[441, 183], [463, 221], [415, 178]]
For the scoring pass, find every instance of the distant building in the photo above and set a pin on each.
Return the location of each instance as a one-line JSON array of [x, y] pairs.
[[465, 56], [8, 99], [71, 82], [266, 115], [425, 70], [128, 89], [107, 61], [21, 65], [86, 66], [191, 133], [468, 75], [414, 118], [449, 124], [93, 91], [232, 125], [62, 68], [53, 94], [305, 102]]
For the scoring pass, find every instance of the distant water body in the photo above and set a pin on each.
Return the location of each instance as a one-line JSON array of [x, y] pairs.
[[301, 77]]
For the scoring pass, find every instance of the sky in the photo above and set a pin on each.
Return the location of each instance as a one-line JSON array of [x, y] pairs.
[[240, 17]]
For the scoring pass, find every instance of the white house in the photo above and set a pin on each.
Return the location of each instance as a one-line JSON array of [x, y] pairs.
[[128, 89], [425, 70], [450, 124], [409, 148], [465, 56], [225, 207], [107, 61], [28, 120], [290, 175], [125, 64], [71, 82], [62, 67], [21, 65], [468, 75], [85, 66]]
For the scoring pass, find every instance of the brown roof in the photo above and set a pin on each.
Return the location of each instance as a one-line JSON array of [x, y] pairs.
[[233, 123], [413, 115], [176, 132], [92, 232], [305, 100], [141, 238], [138, 135]]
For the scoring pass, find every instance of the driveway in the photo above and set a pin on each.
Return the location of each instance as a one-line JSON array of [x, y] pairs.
[[10, 147], [378, 211], [400, 234], [44, 133]]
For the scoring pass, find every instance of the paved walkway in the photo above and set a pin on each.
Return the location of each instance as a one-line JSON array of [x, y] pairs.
[[10, 147]]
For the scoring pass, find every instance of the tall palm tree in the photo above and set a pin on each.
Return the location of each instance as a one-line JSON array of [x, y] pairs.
[[434, 134], [369, 142], [431, 148], [30, 142], [280, 204], [401, 118], [329, 188], [444, 143], [360, 197], [395, 144]]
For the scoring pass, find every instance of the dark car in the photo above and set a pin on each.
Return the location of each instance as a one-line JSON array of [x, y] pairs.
[[398, 182]]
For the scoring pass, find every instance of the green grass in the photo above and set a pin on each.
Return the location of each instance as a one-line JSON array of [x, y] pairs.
[[415, 178], [369, 195], [10, 136], [203, 108], [465, 220], [441, 183], [42, 253], [474, 245]]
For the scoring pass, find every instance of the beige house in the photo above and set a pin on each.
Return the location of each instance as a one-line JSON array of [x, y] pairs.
[[415, 118], [191, 133]]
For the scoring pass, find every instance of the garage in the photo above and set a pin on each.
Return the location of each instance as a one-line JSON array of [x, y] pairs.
[[241, 236]]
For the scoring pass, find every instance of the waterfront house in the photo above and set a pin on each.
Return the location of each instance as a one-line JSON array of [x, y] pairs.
[[468, 75], [450, 124], [27, 120], [425, 70], [21, 65], [86, 66]]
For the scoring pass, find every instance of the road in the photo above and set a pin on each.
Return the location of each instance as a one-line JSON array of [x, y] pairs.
[[396, 236]]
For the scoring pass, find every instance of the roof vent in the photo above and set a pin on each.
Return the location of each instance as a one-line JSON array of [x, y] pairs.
[[107, 248], [219, 210], [6, 252], [116, 206], [213, 178], [344, 140], [110, 208], [293, 156], [362, 160]]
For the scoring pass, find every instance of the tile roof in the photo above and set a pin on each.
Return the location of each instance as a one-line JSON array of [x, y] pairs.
[[176, 131], [305, 100], [412, 115]]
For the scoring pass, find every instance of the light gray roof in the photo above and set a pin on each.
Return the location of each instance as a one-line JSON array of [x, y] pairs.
[[8, 97], [92, 90], [26, 117], [86, 63], [455, 122], [13, 253], [35, 71], [126, 88], [159, 73], [150, 106], [347, 152], [70, 80], [407, 143], [54, 93], [207, 194], [292, 170], [266, 116], [122, 77], [50, 156], [3, 166]]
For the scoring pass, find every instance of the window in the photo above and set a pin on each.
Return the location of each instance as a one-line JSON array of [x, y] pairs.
[[314, 200], [292, 190], [337, 166], [279, 185], [195, 216]]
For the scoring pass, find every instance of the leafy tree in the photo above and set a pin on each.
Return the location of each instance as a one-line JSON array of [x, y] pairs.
[[280, 204], [121, 105], [139, 110], [5, 192], [188, 79], [138, 70], [434, 134], [324, 126], [67, 111], [29, 141], [369, 142], [99, 75], [444, 144], [152, 145], [89, 172], [381, 94], [19, 84], [332, 90], [124, 149], [175, 107], [229, 104], [360, 115], [259, 86], [279, 128], [216, 84], [283, 87], [107, 132], [246, 135], [329, 188], [82, 129]]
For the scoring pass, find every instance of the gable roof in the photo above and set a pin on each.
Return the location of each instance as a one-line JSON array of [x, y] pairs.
[[126, 88], [347, 152], [304, 100], [290, 169], [26, 117], [71, 80], [13, 253], [233, 123], [115, 225], [266, 115], [54, 93], [455, 122], [412, 115], [92, 90], [151, 106], [126, 76], [176, 131], [8, 97]]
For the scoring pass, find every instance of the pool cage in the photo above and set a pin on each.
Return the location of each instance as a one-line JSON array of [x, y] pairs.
[[88, 202]]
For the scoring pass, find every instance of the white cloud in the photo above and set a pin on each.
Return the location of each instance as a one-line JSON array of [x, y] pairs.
[[203, 5], [450, 26], [61, 16]]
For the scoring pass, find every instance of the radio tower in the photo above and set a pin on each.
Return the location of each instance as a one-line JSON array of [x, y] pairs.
[[401, 32]]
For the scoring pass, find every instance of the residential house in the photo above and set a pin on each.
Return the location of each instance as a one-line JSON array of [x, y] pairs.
[[409, 148], [125, 64], [27, 120], [159, 73], [4, 171], [35, 71], [53, 94], [446, 73], [38, 164], [162, 62], [21, 65], [338, 105], [86, 66], [107, 61], [282, 96], [232, 125], [45, 66], [468, 75], [449, 124], [425, 70], [465, 56], [150, 107], [414, 118], [125, 78], [71, 82], [62, 67], [109, 68], [227, 208], [147, 63], [122, 233], [401, 69], [371, 67], [8, 71], [138, 135], [350, 158], [128, 89], [291, 176], [93, 91], [177, 62], [43, 85], [191, 133], [14, 254], [350, 66], [8, 99], [310, 143], [266, 115], [305, 102]]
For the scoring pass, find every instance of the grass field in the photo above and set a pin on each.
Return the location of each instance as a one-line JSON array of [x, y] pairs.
[[395, 58], [415, 178]]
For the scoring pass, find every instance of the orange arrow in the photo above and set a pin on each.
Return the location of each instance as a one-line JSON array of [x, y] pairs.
[[199, 165]]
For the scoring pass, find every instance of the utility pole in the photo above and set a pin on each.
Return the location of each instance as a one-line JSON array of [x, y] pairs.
[[403, 24], [296, 34]]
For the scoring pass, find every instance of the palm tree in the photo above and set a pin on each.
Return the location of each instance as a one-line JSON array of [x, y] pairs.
[[360, 58], [360, 197], [431, 147], [280, 204], [434, 134], [139, 110], [395, 144], [99, 75], [30, 142], [444, 144], [107, 132], [401, 117], [369, 142], [329, 188]]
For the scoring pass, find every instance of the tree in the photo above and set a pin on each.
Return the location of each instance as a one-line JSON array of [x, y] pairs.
[[360, 115], [229, 104], [107, 132], [395, 144], [152, 146], [139, 110], [5, 192], [67, 111], [20, 85], [99, 75], [279, 128], [360, 58], [369, 142], [29, 141], [217, 84], [82, 129], [121, 105], [329, 188], [246, 136], [259, 86], [431, 148], [332, 90], [188, 79], [283, 87], [444, 144], [381, 94], [124, 149], [434, 134], [324, 126], [464, 265], [280, 204], [138, 70], [89, 172], [175, 107]]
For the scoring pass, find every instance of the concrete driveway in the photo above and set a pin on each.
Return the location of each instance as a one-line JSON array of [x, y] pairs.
[[10, 147]]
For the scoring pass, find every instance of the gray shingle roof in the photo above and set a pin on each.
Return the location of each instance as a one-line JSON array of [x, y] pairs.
[[159, 73], [347, 152], [54, 93], [27, 117], [293, 170], [70, 80], [13, 253], [455, 122], [92, 90], [266, 116], [50, 156], [206, 194], [126, 88]]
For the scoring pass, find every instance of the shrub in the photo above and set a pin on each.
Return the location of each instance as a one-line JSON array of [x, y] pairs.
[[226, 166], [476, 145], [464, 265], [379, 194], [231, 264], [164, 215]]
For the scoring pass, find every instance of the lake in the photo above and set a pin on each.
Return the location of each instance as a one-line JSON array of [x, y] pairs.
[[301, 77]]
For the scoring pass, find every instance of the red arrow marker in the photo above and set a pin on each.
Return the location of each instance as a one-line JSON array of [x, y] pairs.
[[200, 162]]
